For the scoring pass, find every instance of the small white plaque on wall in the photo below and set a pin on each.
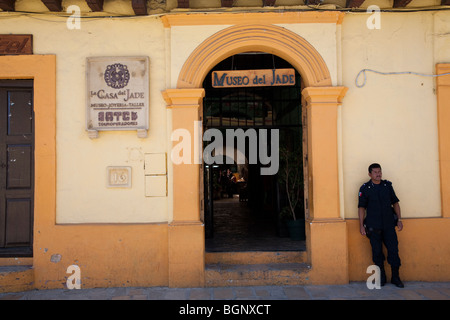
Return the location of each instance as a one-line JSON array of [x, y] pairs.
[[156, 186], [119, 177], [155, 164]]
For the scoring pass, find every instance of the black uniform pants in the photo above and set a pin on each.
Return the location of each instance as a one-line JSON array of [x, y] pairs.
[[389, 238]]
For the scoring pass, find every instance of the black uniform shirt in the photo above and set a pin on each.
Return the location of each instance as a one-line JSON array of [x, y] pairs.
[[378, 201]]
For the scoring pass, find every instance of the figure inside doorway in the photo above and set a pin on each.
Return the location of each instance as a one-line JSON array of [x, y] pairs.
[[231, 183]]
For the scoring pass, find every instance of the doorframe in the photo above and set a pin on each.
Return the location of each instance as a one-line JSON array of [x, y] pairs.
[[42, 69], [326, 234]]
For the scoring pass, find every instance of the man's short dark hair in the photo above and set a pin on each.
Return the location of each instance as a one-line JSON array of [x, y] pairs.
[[374, 166]]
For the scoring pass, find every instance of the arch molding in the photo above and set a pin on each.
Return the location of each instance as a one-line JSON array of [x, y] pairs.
[[255, 37]]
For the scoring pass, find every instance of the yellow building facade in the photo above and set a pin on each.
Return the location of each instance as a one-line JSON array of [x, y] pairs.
[[130, 237]]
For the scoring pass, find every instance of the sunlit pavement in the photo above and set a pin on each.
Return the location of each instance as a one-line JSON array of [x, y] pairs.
[[352, 291]]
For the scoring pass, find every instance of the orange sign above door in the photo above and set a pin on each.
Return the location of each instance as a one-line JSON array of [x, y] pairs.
[[253, 78]]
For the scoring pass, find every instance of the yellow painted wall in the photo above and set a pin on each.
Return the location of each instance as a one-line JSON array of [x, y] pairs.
[[82, 195], [392, 120], [107, 254], [424, 249], [119, 234]]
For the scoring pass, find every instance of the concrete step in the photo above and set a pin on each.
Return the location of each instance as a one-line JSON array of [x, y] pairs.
[[223, 275], [16, 278], [256, 268], [255, 257]]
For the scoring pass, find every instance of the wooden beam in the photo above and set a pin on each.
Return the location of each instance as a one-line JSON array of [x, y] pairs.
[[53, 5], [314, 2], [267, 3], [183, 3], [354, 3], [95, 5], [401, 3], [7, 5], [227, 3], [139, 7]]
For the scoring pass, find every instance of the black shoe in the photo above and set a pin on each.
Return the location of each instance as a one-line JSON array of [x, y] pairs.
[[397, 282], [396, 278]]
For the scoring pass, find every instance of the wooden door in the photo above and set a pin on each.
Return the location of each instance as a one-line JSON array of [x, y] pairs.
[[16, 167]]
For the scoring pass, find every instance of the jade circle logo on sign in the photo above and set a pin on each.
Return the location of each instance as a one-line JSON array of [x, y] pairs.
[[117, 75]]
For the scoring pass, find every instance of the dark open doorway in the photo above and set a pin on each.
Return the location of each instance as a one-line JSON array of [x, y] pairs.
[[242, 208]]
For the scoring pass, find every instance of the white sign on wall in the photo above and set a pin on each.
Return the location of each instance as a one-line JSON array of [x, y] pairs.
[[117, 94]]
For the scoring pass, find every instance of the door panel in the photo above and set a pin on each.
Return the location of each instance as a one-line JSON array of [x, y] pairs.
[[20, 113], [19, 169], [16, 167], [18, 222]]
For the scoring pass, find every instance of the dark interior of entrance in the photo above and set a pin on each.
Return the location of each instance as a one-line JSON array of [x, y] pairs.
[[243, 210]]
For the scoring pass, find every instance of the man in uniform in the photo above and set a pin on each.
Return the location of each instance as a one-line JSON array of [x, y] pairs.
[[376, 207]]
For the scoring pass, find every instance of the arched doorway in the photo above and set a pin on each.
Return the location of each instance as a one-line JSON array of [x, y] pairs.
[[263, 38], [245, 210], [325, 229]]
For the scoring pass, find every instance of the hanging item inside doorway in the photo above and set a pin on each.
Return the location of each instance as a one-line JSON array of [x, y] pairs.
[[253, 78]]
